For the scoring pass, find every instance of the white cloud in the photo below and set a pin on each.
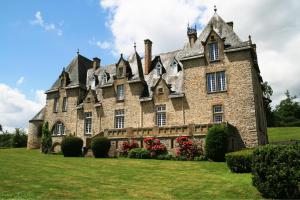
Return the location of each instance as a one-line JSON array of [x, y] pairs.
[[39, 21], [16, 109], [273, 25], [100, 44], [20, 81]]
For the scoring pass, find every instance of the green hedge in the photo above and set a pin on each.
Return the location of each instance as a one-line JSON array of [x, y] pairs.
[[276, 171], [100, 147], [139, 153], [72, 146], [240, 161], [216, 143]]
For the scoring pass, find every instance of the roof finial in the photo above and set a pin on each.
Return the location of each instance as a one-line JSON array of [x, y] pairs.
[[250, 39], [134, 46], [77, 51], [215, 8]]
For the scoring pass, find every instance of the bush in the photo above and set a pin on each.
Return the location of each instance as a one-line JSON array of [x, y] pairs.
[[200, 158], [72, 146], [165, 157], [139, 153], [240, 161], [155, 146], [216, 143], [276, 171], [19, 139], [100, 147], [5, 140], [187, 148], [46, 139], [126, 147]]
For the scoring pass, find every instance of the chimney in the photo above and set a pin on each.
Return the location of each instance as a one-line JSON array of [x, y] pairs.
[[230, 24], [192, 35], [96, 63], [148, 56]]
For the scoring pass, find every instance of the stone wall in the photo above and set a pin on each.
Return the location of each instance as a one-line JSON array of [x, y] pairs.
[[34, 134]]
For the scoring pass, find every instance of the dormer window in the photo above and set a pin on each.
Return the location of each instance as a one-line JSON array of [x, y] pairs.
[[120, 72], [159, 69], [104, 80], [213, 51], [120, 92]]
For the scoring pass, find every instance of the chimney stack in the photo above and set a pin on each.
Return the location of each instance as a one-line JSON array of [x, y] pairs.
[[230, 24], [192, 35], [96, 63], [148, 56]]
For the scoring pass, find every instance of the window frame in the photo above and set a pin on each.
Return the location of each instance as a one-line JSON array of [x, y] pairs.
[[216, 82], [55, 105], [218, 113], [159, 70], [161, 115], [58, 129], [119, 119], [120, 92], [214, 53], [88, 123], [65, 104]]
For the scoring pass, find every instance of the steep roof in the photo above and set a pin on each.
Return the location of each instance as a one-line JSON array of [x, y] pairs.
[[76, 70], [39, 116]]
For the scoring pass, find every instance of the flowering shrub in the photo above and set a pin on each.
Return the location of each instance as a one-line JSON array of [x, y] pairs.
[[187, 148], [155, 146], [127, 146]]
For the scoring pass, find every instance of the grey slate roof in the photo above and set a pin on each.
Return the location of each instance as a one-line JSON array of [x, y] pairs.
[[39, 116]]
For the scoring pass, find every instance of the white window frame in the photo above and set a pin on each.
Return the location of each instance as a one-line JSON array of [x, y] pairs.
[[218, 114], [213, 51], [59, 129], [65, 104], [161, 115], [55, 105], [104, 79], [216, 82], [159, 69], [120, 92], [88, 122], [119, 118]]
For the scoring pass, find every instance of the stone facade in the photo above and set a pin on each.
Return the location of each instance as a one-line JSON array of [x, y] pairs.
[[177, 80]]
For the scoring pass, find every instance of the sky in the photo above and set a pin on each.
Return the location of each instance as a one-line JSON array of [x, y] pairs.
[[40, 37]]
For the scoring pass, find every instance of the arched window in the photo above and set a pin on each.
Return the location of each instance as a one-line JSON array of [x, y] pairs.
[[58, 129]]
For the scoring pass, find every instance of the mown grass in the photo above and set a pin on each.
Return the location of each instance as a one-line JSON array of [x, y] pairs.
[[279, 134], [32, 175]]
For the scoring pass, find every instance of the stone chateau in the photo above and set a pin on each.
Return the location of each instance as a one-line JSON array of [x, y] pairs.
[[214, 78]]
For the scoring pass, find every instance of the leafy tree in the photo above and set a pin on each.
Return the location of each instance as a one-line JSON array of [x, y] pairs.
[[268, 92], [287, 113], [46, 139], [1, 129], [19, 139]]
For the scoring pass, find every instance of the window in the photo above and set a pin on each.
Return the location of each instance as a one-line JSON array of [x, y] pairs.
[[218, 114], [120, 92], [88, 123], [213, 51], [119, 119], [120, 71], [65, 104], [104, 80], [161, 115], [216, 82], [55, 105], [159, 69], [160, 90], [58, 129]]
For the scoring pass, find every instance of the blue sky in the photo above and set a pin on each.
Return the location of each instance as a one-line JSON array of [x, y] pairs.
[[40, 37]]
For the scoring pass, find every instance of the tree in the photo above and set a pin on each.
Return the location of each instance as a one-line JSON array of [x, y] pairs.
[[267, 93], [287, 113], [46, 139], [19, 139], [1, 129]]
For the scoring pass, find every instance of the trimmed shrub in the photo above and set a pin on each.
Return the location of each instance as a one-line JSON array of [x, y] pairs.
[[240, 161], [46, 139], [126, 147], [276, 171], [187, 148], [100, 147], [216, 143], [139, 153], [155, 146], [72, 146]]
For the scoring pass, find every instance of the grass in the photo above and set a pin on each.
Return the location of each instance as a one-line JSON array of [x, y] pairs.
[[32, 175], [279, 134]]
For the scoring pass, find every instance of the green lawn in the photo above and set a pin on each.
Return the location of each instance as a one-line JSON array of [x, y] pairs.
[[32, 175], [279, 134]]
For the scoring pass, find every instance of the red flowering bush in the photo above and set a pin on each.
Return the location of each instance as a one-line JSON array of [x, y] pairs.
[[155, 146], [187, 148], [127, 146]]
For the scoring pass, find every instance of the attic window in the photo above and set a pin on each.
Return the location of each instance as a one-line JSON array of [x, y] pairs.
[[159, 69], [213, 51], [212, 37], [88, 100], [104, 78], [160, 90]]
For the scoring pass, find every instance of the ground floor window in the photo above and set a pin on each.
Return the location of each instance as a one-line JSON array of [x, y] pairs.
[[88, 122], [161, 115], [218, 113], [58, 129], [119, 119]]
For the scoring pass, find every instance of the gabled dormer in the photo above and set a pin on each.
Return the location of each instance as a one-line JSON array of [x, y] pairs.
[[64, 79], [158, 67], [123, 69], [175, 67], [105, 78], [161, 90], [213, 46], [90, 97]]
